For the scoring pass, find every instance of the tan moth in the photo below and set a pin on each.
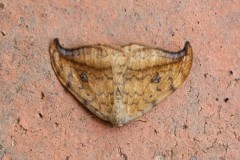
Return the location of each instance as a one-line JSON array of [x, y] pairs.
[[119, 84]]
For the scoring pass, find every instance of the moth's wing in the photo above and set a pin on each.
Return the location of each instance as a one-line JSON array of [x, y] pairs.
[[87, 73], [151, 75]]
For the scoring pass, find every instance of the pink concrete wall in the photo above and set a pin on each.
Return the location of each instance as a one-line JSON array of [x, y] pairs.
[[40, 120]]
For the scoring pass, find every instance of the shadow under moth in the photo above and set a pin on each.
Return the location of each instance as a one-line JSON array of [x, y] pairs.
[[120, 84]]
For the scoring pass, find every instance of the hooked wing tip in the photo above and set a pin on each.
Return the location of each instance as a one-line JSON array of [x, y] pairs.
[[188, 49], [187, 46], [187, 43], [56, 42], [56, 46]]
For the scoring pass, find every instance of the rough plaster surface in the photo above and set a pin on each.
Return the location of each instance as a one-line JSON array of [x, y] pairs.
[[40, 120]]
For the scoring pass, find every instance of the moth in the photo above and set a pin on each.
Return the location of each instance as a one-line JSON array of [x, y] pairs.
[[120, 84]]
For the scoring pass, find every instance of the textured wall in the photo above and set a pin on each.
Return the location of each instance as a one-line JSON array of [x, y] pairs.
[[40, 120]]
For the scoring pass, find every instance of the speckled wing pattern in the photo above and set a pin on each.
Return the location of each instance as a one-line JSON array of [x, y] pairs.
[[119, 84]]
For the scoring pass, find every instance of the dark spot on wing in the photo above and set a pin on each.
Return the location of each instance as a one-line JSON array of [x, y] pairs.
[[154, 103], [159, 89], [68, 84], [84, 77], [156, 78], [172, 88], [85, 102]]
